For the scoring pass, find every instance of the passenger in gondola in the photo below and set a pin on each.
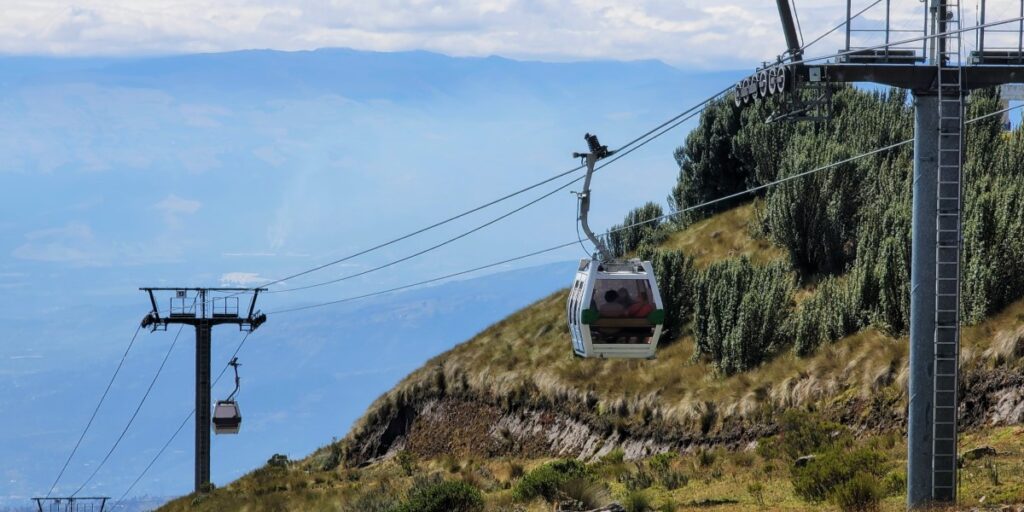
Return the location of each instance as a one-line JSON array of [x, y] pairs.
[[624, 299], [641, 308], [612, 307]]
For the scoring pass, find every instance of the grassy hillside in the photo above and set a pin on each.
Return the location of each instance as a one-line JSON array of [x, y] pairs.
[[512, 397]]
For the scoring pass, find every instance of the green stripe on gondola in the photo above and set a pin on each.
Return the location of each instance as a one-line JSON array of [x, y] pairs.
[[657, 316], [589, 315]]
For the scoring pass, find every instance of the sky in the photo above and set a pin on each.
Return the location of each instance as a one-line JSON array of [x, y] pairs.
[[684, 33]]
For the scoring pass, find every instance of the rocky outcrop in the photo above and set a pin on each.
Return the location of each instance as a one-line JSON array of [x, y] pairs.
[[992, 398], [460, 422]]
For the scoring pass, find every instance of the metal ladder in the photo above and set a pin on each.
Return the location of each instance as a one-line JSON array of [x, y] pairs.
[[947, 257]]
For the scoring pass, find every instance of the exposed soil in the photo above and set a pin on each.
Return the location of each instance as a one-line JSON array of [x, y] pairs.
[[463, 424]]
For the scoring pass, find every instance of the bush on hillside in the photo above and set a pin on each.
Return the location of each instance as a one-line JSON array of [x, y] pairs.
[[708, 167], [814, 217], [443, 496], [675, 275], [862, 493], [855, 218], [802, 433], [625, 240], [852, 219], [834, 311], [546, 480], [636, 501], [822, 477], [740, 310]]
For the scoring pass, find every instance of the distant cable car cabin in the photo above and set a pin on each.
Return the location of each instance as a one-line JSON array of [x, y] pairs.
[[614, 307], [227, 417]]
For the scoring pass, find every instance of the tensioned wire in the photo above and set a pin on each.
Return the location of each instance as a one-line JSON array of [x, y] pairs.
[[88, 424], [180, 426], [639, 141], [675, 121], [636, 224], [617, 155]]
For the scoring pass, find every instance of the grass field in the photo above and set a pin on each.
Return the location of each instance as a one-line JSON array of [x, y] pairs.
[[717, 479]]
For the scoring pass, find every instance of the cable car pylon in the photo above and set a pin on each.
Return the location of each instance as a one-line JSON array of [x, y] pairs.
[[189, 306], [614, 308]]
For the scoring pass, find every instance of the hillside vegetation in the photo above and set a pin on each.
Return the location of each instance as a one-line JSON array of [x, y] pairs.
[[786, 323]]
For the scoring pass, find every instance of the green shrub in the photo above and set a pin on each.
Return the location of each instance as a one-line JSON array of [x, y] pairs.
[[739, 312], [802, 433], [708, 167], [329, 459], [445, 496], [834, 311], [278, 460], [675, 274], [861, 493], [854, 219], [706, 457], [756, 491], [407, 461], [673, 479], [662, 461], [636, 501], [826, 473], [379, 499], [664, 473], [547, 479], [624, 240], [637, 481], [615, 456], [895, 483], [585, 493]]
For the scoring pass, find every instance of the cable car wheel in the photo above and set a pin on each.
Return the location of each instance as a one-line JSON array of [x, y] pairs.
[[762, 83], [780, 79]]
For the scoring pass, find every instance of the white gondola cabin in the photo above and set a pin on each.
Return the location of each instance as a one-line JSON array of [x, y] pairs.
[[615, 310], [227, 418]]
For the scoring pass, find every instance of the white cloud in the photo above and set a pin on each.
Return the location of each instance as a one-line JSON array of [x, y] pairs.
[[676, 31], [72, 243], [256, 254], [242, 279], [173, 207]]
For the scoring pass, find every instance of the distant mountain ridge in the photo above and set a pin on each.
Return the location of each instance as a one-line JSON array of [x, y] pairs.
[[357, 74]]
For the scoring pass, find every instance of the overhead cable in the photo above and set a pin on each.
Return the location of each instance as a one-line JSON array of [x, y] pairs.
[[94, 411], [178, 430]]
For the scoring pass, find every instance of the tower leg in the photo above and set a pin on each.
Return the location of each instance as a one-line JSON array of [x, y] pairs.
[[203, 341], [922, 302]]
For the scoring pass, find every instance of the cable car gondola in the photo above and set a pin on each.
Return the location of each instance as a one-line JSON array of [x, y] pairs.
[[227, 417], [614, 307]]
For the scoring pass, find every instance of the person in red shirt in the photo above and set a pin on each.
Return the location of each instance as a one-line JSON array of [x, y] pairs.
[[641, 308]]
